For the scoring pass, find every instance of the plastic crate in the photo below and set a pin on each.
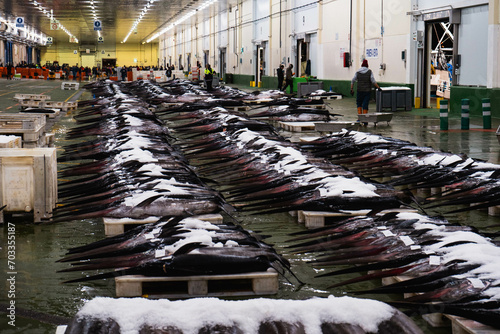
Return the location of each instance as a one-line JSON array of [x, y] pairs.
[[393, 98]]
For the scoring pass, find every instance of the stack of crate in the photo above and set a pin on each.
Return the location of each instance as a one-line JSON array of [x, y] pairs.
[[30, 128], [28, 182]]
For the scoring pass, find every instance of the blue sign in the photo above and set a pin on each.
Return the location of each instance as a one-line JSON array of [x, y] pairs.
[[372, 53], [97, 25], [100, 39], [20, 22]]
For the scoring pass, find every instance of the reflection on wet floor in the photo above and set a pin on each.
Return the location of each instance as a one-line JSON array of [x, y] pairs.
[[39, 246]]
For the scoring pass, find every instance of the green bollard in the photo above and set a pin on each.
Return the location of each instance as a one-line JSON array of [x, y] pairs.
[[465, 114], [486, 114], [443, 115]]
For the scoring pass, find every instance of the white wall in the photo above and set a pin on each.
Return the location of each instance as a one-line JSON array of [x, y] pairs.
[[205, 32], [261, 25], [305, 17], [223, 25], [240, 26], [335, 39]]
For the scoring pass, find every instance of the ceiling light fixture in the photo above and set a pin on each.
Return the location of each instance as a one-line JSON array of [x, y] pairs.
[[50, 16], [182, 19], [134, 26]]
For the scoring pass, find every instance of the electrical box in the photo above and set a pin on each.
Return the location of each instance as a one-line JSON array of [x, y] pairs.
[[347, 59], [418, 36]]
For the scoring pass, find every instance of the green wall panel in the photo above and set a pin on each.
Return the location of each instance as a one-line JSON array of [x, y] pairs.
[[475, 95]]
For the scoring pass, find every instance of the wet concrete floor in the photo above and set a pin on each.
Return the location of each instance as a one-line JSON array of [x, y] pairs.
[[39, 292]]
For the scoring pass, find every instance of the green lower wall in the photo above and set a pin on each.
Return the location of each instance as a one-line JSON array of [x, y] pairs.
[[475, 95], [243, 79], [339, 86]]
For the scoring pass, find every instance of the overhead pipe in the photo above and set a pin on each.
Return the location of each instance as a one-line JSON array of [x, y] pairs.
[[350, 34], [235, 37]]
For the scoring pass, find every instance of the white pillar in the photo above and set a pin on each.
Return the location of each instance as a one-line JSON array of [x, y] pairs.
[[493, 57]]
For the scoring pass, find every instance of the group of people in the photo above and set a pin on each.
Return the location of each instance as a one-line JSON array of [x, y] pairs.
[[285, 77], [363, 76]]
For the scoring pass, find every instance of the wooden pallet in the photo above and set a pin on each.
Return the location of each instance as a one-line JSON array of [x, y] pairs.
[[315, 219], [33, 97], [237, 108], [297, 126], [70, 85], [459, 325], [334, 126], [315, 106], [70, 106], [494, 211], [329, 97], [257, 101], [247, 284], [114, 226]]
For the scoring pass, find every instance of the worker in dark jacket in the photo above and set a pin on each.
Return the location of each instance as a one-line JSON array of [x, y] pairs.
[[209, 75], [289, 78], [9, 71], [123, 72], [280, 72], [365, 79]]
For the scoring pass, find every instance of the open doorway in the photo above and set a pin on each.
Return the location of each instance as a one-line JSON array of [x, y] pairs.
[[109, 62], [205, 57], [260, 64], [440, 55], [302, 57], [222, 62]]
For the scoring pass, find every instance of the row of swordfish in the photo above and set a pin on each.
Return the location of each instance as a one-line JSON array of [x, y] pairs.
[[125, 165], [139, 168]]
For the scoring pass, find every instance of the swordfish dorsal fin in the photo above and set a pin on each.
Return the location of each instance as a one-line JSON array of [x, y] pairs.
[[148, 201]]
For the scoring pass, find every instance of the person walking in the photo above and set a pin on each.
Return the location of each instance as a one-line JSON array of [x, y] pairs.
[[123, 72], [289, 78], [9, 71], [281, 76], [209, 75], [168, 72], [74, 69], [365, 79]]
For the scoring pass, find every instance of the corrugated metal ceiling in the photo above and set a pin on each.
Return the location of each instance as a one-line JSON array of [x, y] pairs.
[[117, 16]]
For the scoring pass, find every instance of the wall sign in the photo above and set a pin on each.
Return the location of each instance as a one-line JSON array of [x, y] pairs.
[[54, 25], [20, 22]]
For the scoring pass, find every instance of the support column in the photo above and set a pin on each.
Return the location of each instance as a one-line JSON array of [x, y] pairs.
[[493, 57]]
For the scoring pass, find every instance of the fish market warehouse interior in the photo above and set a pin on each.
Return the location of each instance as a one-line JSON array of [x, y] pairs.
[[160, 172]]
